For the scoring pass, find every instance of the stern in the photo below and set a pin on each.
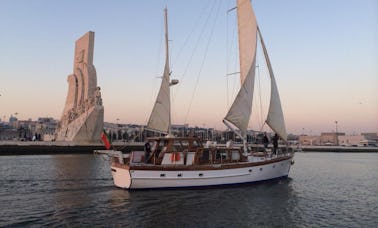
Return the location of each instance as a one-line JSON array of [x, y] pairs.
[[121, 176]]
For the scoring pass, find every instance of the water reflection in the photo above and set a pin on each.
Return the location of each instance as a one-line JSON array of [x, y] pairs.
[[71, 190], [246, 205]]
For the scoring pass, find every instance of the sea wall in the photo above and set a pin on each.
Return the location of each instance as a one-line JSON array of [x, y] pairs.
[[35, 148], [340, 149], [39, 148]]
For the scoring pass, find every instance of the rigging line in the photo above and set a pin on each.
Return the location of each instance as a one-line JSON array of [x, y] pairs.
[[157, 66], [197, 42], [259, 81], [175, 60], [236, 60], [227, 59], [231, 50], [227, 97], [202, 32], [177, 89], [203, 62]]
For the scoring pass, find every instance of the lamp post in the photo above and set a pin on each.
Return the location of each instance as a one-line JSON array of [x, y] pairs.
[[337, 138]]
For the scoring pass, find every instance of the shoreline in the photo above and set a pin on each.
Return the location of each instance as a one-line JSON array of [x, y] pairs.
[[9, 148], [339, 149]]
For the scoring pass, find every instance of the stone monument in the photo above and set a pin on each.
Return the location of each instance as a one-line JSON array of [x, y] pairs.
[[82, 120]]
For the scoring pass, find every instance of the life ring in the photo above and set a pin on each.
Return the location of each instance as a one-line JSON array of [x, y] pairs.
[[175, 156]]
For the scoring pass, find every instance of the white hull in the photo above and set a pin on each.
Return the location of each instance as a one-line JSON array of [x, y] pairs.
[[147, 179]]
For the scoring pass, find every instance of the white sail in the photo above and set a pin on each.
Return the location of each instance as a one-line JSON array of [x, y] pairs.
[[160, 118], [240, 111], [275, 118]]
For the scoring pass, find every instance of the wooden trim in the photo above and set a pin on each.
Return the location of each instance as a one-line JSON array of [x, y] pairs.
[[201, 167]]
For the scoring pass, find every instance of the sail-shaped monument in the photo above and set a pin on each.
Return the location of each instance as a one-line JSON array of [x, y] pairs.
[[82, 119]]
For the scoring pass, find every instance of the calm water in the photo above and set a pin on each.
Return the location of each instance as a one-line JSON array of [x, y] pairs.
[[324, 190]]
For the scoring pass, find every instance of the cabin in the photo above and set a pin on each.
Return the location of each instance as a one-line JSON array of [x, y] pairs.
[[184, 151]]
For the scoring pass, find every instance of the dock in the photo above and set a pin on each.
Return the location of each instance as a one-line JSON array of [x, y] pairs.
[[45, 148], [340, 149]]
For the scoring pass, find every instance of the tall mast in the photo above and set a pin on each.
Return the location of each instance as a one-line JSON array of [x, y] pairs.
[[241, 109], [167, 64], [160, 118]]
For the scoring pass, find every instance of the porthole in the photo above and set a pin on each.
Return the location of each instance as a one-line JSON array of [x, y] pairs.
[[179, 175], [261, 169], [201, 174], [162, 175], [250, 170]]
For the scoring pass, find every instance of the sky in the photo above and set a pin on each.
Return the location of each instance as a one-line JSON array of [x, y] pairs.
[[324, 56]]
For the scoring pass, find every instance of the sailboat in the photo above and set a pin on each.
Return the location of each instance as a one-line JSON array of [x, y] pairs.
[[181, 162]]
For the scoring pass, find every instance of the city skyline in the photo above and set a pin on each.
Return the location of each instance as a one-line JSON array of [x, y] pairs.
[[324, 56]]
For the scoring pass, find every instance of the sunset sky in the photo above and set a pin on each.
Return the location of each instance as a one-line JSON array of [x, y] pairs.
[[324, 55]]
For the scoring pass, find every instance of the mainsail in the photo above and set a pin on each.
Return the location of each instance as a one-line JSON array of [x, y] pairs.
[[160, 118], [240, 111]]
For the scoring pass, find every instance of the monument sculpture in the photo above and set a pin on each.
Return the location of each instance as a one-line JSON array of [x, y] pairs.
[[83, 115]]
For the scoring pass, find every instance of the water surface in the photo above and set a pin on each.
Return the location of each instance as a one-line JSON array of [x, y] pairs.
[[323, 190]]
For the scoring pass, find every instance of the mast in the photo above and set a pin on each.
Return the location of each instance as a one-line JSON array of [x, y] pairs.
[[160, 118], [241, 109], [167, 66]]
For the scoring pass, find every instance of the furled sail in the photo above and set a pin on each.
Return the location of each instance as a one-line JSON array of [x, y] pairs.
[[275, 118], [160, 118], [240, 111]]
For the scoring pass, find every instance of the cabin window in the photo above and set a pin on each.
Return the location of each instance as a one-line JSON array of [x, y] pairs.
[[162, 175], [179, 175], [261, 169], [250, 170], [162, 146], [221, 154], [184, 144], [201, 174], [177, 146]]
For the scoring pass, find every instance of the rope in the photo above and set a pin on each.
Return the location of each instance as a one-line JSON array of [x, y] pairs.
[[175, 60], [203, 62], [189, 36], [233, 47], [154, 92], [261, 112], [197, 43]]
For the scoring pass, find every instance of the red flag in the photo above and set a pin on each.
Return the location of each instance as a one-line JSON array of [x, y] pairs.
[[105, 139]]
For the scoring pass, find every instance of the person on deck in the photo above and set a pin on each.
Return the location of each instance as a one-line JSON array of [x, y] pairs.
[[265, 141], [275, 143], [147, 151]]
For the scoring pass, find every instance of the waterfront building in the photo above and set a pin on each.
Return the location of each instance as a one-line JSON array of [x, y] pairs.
[[329, 139], [353, 140], [309, 140]]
